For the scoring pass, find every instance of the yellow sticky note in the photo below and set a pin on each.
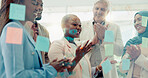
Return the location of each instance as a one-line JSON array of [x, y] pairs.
[[144, 21], [144, 42], [109, 48], [14, 35]]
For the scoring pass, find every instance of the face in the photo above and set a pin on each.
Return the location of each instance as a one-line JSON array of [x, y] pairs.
[[30, 9], [138, 24], [100, 11], [73, 23], [39, 9]]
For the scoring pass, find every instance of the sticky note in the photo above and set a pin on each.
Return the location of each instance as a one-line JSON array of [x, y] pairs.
[[14, 35], [125, 64], [109, 48], [42, 44], [144, 42], [144, 21], [109, 36], [17, 12], [106, 66]]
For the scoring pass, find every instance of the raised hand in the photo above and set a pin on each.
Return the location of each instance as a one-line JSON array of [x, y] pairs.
[[133, 51], [60, 65], [82, 50], [100, 30]]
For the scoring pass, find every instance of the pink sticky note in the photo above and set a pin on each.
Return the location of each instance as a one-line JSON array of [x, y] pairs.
[[14, 35]]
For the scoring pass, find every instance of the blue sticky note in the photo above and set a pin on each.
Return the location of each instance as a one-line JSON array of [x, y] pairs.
[[144, 21], [125, 64], [42, 44], [109, 49], [106, 66], [17, 12], [109, 36]]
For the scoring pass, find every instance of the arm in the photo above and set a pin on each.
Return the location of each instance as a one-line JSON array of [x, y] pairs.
[[142, 61], [13, 55], [120, 65], [56, 51]]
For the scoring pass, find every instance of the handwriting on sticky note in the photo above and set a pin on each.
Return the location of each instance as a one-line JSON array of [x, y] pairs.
[[144, 21], [144, 42], [125, 64], [17, 12], [109, 36], [42, 44], [109, 48], [106, 66], [14, 35]]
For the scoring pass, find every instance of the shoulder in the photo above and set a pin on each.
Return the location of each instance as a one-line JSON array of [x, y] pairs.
[[43, 30], [113, 24], [87, 23], [13, 24], [58, 42]]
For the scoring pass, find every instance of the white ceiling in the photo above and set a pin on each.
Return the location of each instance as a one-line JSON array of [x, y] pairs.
[[86, 5], [62, 3]]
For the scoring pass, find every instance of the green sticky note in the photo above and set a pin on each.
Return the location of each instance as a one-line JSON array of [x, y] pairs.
[[125, 64], [17, 12], [42, 44], [144, 42], [109, 48], [106, 66], [144, 21], [109, 36]]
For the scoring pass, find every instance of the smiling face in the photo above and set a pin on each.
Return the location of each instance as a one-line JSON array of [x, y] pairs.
[[30, 10], [39, 9], [138, 24], [73, 23], [100, 11]]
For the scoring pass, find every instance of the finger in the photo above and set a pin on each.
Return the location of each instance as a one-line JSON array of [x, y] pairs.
[[55, 60], [107, 25], [86, 43], [130, 58], [64, 60], [89, 49], [134, 49], [138, 47], [98, 24], [61, 70], [89, 45], [113, 61], [127, 47], [105, 59], [78, 48], [129, 52]]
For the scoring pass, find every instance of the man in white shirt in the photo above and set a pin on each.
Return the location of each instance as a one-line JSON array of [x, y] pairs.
[[100, 11]]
